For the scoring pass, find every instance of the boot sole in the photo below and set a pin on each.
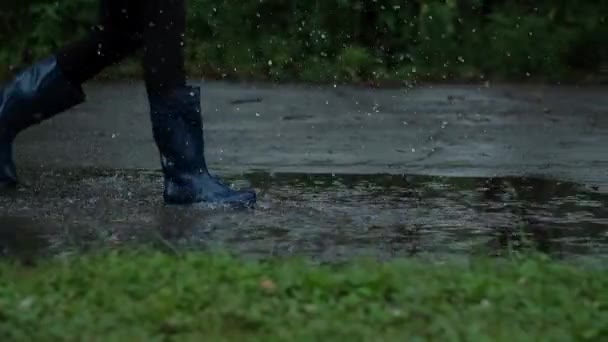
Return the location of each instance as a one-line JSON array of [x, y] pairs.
[[249, 204]]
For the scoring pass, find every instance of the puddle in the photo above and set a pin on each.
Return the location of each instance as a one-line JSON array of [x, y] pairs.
[[326, 217]]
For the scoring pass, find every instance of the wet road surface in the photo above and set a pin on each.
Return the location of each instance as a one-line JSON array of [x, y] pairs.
[[342, 172]]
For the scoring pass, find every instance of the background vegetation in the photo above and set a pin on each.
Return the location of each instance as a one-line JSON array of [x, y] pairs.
[[350, 40]]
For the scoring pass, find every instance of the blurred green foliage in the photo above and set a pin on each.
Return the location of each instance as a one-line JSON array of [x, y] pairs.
[[148, 296], [350, 40]]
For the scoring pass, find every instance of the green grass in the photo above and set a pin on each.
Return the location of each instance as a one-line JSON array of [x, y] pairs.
[[153, 297]]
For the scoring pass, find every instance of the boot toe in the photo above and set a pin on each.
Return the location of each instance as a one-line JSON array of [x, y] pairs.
[[233, 199], [243, 198], [221, 197], [223, 194]]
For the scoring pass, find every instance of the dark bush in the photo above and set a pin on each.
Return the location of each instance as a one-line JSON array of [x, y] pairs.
[[350, 40]]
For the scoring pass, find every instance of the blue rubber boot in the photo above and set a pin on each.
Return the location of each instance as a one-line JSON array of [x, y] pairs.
[[36, 94], [178, 131]]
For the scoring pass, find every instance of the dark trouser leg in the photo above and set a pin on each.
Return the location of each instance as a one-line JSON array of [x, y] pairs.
[[176, 113], [118, 35], [164, 40], [125, 26]]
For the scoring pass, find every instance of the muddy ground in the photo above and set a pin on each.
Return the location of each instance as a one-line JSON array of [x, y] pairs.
[[342, 172]]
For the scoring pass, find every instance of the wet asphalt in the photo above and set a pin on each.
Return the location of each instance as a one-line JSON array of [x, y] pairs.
[[342, 172]]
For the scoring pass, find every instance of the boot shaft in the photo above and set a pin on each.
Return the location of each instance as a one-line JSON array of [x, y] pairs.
[[36, 94], [178, 129]]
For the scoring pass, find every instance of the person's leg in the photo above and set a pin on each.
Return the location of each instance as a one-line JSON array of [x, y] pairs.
[[117, 35], [164, 41], [175, 112], [53, 85]]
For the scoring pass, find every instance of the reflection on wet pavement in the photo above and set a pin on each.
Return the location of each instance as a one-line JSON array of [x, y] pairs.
[[327, 217]]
